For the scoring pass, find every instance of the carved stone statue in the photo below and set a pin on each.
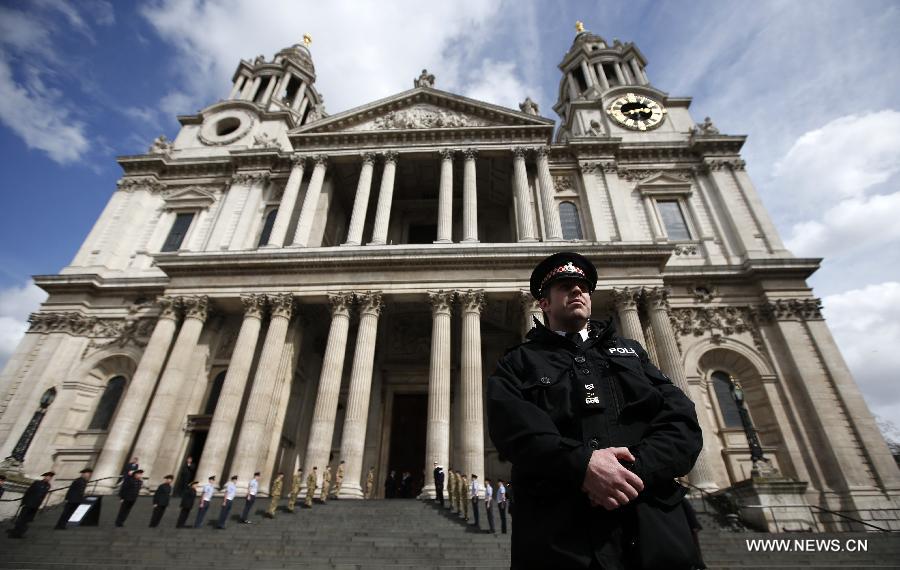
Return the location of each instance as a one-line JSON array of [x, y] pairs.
[[425, 79], [259, 59], [596, 130], [705, 128], [264, 140], [529, 106], [161, 145]]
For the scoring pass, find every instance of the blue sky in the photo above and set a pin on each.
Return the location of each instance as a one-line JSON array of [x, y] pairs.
[[814, 84]]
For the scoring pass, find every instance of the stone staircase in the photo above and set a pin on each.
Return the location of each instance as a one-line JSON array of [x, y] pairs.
[[353, 534]]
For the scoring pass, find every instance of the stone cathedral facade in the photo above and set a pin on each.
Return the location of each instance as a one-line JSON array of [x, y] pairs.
[[281, 287]]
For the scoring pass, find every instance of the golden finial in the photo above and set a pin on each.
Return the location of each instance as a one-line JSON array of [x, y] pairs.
[[579, 26], [307, 39]]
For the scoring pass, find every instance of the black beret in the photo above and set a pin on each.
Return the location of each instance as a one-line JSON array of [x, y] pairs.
[[48, 474], [86, 470], [562, 265]]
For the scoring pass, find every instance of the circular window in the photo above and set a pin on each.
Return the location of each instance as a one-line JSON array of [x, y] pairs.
[[227, 126]]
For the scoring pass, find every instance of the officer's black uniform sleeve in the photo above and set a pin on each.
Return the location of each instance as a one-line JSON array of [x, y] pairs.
[[525, 434], [674, 440]]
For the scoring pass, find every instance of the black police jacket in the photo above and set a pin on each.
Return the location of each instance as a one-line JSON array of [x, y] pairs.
[[130, 488], [35, 494], [162, 495], [538, 419], [76, 490]]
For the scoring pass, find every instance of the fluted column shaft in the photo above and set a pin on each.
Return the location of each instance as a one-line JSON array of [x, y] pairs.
[[670, 363], [137, 396], [169, 388], [353, 439], [472, 303], [530, 310], [626, 301], [524, 211], [385, 197], [553, 230], [445, 198], [256, 415], [361, 202], [322, 430], [437, 430], [224, 419], [470, 197], [288, 201], [310, 202]]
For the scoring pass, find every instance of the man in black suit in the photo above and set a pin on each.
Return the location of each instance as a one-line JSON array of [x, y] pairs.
[[131, 486], [185, 475], [439, 483], [73, 498], [31, 502], [161, 500], [187, 503]]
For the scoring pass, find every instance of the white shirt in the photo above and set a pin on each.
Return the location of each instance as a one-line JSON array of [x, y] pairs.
[[208, 491], [501, 493], [474, 490], [254, 487], [584, 333], [230, 490], [488, 493]]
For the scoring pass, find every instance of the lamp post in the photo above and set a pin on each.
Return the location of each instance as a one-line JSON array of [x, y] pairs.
[[21, 448], [761, 465]]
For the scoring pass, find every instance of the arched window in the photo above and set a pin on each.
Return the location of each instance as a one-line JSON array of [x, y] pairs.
[[109, 401], [214, 392], [568, 219], [725, 397], [267, 227]]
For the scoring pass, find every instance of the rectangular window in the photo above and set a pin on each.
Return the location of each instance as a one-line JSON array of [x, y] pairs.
[[179, 230], [673, 220]]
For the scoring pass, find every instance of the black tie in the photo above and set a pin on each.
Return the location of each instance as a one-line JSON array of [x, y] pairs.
[[575, 337]]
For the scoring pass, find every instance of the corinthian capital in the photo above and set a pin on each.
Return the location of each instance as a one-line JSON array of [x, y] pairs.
[[657, 297], [168, 307], [253, 305], [440, 301], [626, 297], [370, 302], [281, 305], [195, 307], [472, 300], [340, 303]]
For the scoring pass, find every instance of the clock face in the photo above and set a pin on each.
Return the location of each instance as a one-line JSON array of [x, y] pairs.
[[637, 112]]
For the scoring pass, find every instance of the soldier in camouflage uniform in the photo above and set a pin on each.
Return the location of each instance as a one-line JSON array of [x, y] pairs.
[[370, 482], [310, 488], [464, 500], [275, 495], [451, 485], [296, 483], [326, 484], [338, 480]]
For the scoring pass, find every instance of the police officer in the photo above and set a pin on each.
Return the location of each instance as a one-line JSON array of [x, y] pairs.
[[595, 432], [161, 500], [188, 495], [73, 498], [128, 494], [31, 502]]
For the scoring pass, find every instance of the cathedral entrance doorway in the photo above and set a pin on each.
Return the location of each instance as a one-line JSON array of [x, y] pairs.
[[407, 441]]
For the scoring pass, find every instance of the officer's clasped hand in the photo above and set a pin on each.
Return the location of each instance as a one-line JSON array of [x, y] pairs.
[[609, 484]]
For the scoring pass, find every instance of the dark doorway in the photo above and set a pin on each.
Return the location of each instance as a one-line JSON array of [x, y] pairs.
[[408, 424]]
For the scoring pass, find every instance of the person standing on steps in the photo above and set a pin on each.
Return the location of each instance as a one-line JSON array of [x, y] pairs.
[[252, 490], [227, 501], [370, 482], [73, 498], [439, 483], [31, 502], [310, 488], [473, 496], [275, 497], [185, 475], [489, 504], [205, 500], [161, 500], [338, 480], [501, 504], [464, 496], [390, 485], [128, 494], [326, 484], [187, 503], [296, 485]]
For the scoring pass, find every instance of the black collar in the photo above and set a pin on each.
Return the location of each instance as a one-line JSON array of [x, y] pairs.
[[602, 332]]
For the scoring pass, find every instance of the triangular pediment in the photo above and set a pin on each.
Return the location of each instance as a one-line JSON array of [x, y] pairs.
[[422, 108], [190, 197], [663, 180]]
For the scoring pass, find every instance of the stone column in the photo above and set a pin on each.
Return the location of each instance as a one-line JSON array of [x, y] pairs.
[[270, 87], [310, 202], [282, 84], [619, 75], [236, 87], [137, 395], [470, 197], [525, 211], [353, 438], [385, 196], [248, 450], [445, 198], [551, 215], [322, 429], [626, 301], [437, 431], [472, 302], [530, 310], [361, 202], [221, 430], [299, 97], [574, 92], [288, 201], [586, 71], [657, 299], [165, 398], [601, 75], [636, 72]]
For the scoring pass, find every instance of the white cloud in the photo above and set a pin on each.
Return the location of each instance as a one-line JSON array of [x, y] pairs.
[[853, 225], [866, 325], [16, 303], [499, 82], [363, 51]]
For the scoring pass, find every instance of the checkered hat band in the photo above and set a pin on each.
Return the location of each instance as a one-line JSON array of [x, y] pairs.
[[568, 268]]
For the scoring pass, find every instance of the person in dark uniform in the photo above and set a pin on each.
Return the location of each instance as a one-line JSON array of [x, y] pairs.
[[187, 503], [185, 475], [596, 435], [390, 485], [695, 527], [73, 498], [128, 494], [31, 502], [439, 483], [161, 500]]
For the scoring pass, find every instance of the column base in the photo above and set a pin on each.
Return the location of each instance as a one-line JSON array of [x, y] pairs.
[[350, 244], [351, 492], [377, 243], [471, 240], [443, 241], [528, 240], [428, 492], [270, 246]]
